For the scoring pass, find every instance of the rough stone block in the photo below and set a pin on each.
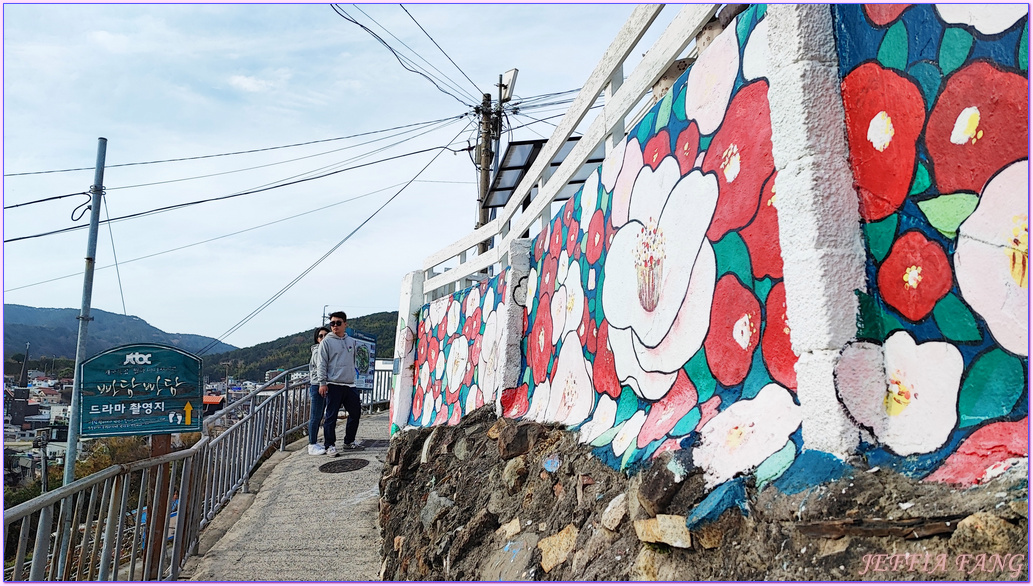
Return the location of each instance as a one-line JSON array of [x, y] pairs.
[[556, 548], [669, 529], [615, 512], [658, 486], [514, 474]]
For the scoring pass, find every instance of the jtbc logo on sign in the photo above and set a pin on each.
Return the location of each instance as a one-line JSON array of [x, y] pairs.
[[137, 358]]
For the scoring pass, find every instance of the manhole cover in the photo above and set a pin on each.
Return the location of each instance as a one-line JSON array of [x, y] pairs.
[[343, 465]]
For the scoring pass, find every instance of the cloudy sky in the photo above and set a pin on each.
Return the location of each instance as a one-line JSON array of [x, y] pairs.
[[167, 82]]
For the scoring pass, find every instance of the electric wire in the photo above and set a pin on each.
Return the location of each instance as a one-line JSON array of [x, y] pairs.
[[442, 50], [213, 239], [294, 160], [247, 152], [359, 157], [312, 267], [340, 11], [451, 82], [114, 255], [45, 199], [260, 189]]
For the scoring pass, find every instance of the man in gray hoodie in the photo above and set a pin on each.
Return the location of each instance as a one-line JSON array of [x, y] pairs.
[[335, 375]]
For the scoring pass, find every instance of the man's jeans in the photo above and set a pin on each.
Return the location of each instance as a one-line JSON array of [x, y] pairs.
[[316, 415], [335, 396]]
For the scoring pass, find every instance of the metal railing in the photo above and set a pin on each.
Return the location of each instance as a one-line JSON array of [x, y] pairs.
[[98, 527]]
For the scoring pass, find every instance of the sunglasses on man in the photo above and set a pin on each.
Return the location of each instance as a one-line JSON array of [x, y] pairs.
[[336, 323]]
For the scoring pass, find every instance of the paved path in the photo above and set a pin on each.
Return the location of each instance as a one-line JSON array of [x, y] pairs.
[[299, 523]]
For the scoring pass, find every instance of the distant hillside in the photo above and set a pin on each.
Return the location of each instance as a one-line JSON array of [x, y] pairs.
[[53, 332], [294, 350]]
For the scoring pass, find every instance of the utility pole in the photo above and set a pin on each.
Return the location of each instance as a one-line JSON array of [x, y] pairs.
[[71, 453], [96, 190], [485, 163]]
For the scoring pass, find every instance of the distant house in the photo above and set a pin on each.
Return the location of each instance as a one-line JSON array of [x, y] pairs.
[[212, 404]]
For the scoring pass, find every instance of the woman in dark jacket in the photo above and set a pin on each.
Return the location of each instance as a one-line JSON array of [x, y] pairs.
[[318, 401]]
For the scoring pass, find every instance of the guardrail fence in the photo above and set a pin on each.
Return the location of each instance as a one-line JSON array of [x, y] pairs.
[[99, 527]]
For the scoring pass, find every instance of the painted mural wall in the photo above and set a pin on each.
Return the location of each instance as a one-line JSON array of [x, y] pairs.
[[937, 117], [458, 353], [654, 309]]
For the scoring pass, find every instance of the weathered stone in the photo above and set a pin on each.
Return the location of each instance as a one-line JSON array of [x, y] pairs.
[[985, 531], [658, 486], [513, 441], [435, 506], [497, 502], [427, 443], [510, 529], [482, 524], [556, 548], [709, 536], [399, 540], [558, 490], [497, 427], [614, 512], [509, 563], [514, 473], [460, 449], [645, 568], [635, 509], [597, 543], [669, 529]]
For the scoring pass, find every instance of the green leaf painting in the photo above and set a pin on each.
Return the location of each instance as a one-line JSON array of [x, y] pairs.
[[993, 385], [893, 50], [947, 212]]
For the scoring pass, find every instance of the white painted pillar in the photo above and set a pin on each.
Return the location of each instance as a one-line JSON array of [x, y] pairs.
[[512, 322], [409, 304], [819, 222]]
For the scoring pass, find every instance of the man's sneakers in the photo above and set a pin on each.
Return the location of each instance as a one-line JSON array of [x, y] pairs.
[[316, 450], [350, 446], [332, 451]]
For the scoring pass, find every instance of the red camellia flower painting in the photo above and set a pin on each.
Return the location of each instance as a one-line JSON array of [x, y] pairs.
[[980, 124], [740, 155], [596, 237], [914, 276], [884, 115], [776, 346], [734, 331], [883, 14], [656, 149], [668, 411], [514, 402], [761, 236], [687, 148], [556, 241], [604, 370], [539, 344]]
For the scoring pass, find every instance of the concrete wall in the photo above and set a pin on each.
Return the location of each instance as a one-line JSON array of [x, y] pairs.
[[777, 268]]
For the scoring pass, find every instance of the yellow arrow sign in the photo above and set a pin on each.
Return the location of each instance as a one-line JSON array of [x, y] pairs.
[[188, 408]]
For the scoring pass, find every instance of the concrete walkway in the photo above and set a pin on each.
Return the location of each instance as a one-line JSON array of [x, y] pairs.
[[299, 523]]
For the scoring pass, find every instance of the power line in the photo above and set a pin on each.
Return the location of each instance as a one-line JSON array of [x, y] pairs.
[[451, 83], [247, 152], [297, 279], [442, 50], [56, 197], [233, 195], [213, 239], [340, 11]]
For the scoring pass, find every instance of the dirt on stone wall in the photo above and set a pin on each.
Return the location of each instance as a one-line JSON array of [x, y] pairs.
[[502, 500]]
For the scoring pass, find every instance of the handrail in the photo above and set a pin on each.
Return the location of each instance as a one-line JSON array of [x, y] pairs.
[[97, 527], [511, 222]]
